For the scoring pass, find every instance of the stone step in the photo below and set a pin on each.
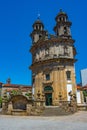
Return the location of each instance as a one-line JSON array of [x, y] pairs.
[[54, 111]]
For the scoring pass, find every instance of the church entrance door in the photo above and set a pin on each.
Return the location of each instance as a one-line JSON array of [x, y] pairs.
[[48, 95]]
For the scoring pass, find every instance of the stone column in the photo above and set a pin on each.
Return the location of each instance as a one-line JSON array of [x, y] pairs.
[[60, 89], [29, 107], [10, 108], [55, 86]]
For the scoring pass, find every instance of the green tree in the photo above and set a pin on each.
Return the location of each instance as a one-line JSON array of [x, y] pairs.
[[28, 94], [0, 101], [85, 95], [14, 92]]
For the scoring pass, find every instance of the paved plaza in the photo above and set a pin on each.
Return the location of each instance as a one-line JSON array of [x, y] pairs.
[[78, 121]]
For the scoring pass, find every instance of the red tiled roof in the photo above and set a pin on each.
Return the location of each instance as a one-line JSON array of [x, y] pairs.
[[79, 87], [16, 86], [85, 87], [23, 89]]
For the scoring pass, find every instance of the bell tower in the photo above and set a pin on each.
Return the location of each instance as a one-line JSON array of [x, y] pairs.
[[62, 28], [53, 59], [38, 31]]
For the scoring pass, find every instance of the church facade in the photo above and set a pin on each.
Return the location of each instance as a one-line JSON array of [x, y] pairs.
[[53, 59]]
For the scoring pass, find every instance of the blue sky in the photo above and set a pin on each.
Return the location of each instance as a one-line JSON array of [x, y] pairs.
[[16, 19]]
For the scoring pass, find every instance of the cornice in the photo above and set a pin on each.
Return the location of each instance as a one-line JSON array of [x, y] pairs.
[[50, 61]]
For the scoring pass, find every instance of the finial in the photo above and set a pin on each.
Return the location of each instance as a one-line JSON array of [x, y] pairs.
[[61, 10], [38, 16]]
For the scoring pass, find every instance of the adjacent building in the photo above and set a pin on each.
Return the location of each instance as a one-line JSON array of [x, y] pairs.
[[9, 87], [79, 94], [84, 77]]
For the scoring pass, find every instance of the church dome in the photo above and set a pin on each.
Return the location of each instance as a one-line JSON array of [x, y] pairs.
[[38, 22], [61, 14]]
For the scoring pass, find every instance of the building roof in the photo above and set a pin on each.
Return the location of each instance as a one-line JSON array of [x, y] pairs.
[[38, 21], [79, 87], [85, 87], [61, 12], [22, 89], [16, 86]]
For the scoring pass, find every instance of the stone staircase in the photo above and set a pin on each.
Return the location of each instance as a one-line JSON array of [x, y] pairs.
[[54, 111]]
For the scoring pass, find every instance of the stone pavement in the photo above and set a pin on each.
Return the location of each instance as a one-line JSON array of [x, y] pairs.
[[77, 121]]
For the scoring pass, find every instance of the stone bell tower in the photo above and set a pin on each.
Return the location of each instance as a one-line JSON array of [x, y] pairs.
[[38, 31], [62, 28], [53, 58]]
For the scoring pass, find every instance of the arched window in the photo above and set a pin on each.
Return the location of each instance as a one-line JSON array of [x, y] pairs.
[[65, 30], [40, 27], [63, 18], [36, 27], [60, 18], [47, 76]]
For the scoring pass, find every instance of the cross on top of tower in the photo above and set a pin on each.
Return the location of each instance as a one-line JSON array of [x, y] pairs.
[[38, 16], [61, 10]]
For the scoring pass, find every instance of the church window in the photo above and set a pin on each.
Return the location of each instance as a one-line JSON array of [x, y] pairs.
[[60, 18], [39, 26], [36, 27], [63, 19], [65, 30], [47, 76], [68, 74]]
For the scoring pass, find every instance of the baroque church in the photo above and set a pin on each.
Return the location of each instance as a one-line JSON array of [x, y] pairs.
[[53, 59]]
